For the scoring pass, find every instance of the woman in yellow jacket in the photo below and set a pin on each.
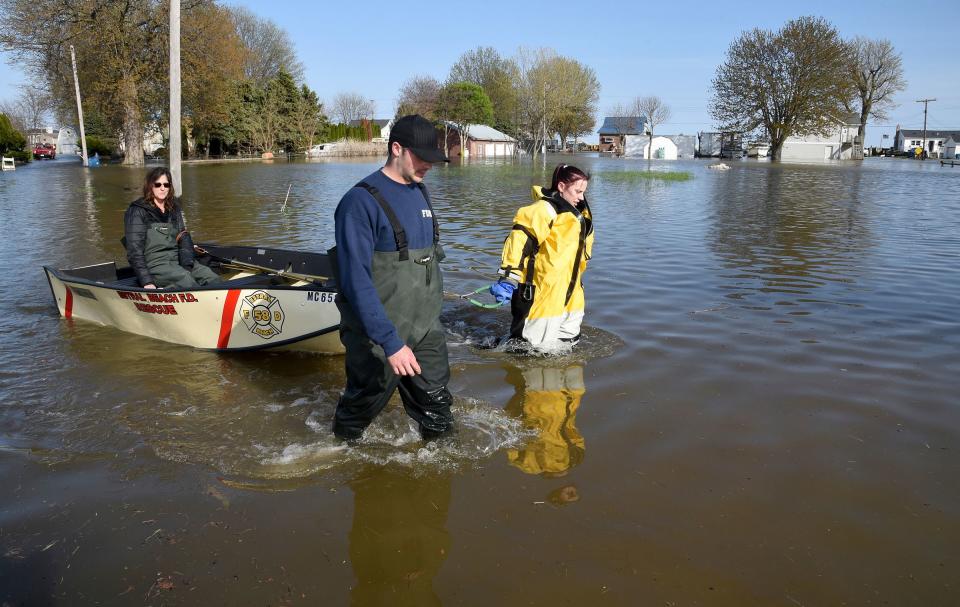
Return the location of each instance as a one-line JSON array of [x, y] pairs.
[[544, 258]]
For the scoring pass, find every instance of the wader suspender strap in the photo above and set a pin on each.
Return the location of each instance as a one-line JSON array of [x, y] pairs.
[[529, 253], [399, 234], [433, 214], [576, 261]]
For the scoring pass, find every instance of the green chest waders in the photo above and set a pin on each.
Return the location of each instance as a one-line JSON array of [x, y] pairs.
[[410, 287], [163, 261]]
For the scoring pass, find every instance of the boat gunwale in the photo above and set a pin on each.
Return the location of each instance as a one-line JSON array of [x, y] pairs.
[[60, 275], [63, 274]]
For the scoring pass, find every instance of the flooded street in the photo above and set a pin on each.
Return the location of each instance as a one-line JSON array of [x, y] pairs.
[[763, 410]]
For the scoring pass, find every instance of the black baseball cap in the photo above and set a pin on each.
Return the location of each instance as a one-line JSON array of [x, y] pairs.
[[418, 135]]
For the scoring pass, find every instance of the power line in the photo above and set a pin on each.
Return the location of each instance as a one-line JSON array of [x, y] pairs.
[[925, 102]]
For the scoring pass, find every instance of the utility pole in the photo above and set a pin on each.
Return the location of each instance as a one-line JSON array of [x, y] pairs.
[[174, 150], [76, 86], [924, 102]]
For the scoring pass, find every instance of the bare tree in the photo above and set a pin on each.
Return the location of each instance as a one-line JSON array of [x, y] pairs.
[[36, 104], [792, 81], [268, 47], [14, 113], [878, 75], [655, 111], [30, 110], [419, 95], [352, 106]]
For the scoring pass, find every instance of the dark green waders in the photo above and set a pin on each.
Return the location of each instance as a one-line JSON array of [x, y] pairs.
[[410, 287], [162, 256]]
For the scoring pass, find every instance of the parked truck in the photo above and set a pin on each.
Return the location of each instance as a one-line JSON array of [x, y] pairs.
[[44, 150]]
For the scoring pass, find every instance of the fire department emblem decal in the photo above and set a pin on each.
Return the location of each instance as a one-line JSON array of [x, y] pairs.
[[262, 314]]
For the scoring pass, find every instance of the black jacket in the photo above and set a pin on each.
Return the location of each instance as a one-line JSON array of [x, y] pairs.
[[140, 214]]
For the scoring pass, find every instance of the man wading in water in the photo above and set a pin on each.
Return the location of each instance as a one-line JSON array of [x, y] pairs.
[[386, 262]]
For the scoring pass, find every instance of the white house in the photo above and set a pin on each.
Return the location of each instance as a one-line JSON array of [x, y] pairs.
[[908, 140], [951, 149], [68, 141], [42, 136], [152, 140], [840, 143]]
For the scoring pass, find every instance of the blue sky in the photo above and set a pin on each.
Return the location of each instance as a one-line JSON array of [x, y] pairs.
[[669, 49]]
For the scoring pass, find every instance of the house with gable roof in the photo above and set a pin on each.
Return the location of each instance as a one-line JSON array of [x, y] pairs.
[[951, 148], [615, 129], [840, 143], [482, 142]]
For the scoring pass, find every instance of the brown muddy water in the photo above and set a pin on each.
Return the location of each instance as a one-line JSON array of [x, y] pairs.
[[764, 410]]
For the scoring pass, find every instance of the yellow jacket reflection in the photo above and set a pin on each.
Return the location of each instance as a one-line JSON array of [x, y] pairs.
[[547, 401], [546, 253]]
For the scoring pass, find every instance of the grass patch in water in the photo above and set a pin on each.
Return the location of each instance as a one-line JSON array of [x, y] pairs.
[[635, 176]]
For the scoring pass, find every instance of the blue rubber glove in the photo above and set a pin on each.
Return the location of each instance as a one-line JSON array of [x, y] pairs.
[[502, 291]]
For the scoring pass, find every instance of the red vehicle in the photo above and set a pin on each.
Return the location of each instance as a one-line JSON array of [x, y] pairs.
[[44, 150]]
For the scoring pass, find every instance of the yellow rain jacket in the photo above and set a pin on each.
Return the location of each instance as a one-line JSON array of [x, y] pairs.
[[546, 253]]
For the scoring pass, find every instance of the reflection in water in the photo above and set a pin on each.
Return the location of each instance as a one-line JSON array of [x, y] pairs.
[[399, 539], [90, 208], [547, 400], [786, 231]]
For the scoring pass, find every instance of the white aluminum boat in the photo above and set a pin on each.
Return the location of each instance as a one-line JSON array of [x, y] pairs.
[[322, 149], [269, 298]]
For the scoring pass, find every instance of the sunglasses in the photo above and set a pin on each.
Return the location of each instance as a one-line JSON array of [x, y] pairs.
[[161, 184]]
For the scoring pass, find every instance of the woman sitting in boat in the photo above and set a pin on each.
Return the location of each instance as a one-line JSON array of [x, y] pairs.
[[159, 248], [543, 261]]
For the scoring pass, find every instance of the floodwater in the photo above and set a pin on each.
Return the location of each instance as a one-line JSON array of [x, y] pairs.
[[763, 411]]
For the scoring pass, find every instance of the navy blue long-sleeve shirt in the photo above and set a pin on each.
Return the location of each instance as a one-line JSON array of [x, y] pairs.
[[361, 227]]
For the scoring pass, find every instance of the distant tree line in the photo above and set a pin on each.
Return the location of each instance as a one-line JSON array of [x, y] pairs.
[[242, 82], [243, 89], [533, 96]]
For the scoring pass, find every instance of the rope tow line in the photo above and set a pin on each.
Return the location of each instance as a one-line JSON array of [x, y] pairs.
[[479, 304]]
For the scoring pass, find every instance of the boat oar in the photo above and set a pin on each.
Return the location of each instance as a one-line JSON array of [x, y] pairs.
[[252, 267]]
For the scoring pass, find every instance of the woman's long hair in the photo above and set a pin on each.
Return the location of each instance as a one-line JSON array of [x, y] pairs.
[[567, 174], [169, 202]]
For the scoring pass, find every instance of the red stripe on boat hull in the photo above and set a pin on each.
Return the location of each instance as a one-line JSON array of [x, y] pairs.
[[68, 307], [226, 321]]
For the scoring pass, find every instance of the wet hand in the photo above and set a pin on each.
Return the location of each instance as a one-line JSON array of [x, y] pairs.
[[404, 362]]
